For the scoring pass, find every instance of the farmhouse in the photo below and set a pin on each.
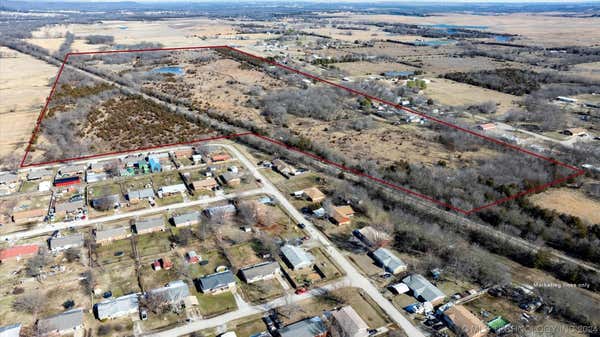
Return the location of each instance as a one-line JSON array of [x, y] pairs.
[[296, 257], [217, 283], [231, 179], [313, 194], [261, 271], [136, 196], [423, 290], [65, 242], [149, 225], [118, 307], [39, 174], [464, 323], [111, 234], [390, 262], [186, 219], [13, 330], [65, 323], [347, 323], [17, 252], [310, 327], [207, 184]]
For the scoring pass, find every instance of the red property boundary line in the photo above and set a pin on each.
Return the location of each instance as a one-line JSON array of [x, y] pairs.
[[577, 172]]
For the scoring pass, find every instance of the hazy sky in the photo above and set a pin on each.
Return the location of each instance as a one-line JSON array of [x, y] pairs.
[[340, 1]]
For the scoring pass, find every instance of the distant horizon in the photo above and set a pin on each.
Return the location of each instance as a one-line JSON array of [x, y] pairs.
[[414, 2]]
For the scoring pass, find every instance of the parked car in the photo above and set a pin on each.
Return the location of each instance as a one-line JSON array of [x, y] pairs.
[[301, 225], [301, 290]]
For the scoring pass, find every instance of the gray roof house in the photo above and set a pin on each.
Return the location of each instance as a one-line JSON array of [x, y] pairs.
[[144, 193], [8, 178], [389, 261], [297, 257], [225, 209], [186, 219], [110, 234], [118, 307], [72, 169], [423, 290], [149, 225], [66, 242], [310, 327], [216, 283], [260, 271], [69, 206], [174, 292], [39, 174], [63, 323], [347, 323], [12, 330]]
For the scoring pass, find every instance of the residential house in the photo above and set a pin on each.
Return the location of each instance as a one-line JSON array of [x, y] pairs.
[[17, 252], [111, 234], [187, 219], [171, 189], [313, 194], [219, 157], [67, 181], [136, 196], [174, 293], [9, 179], [225, 210], [231, 179], [346, 322], [130, 161], [284, 168], [64, 208], [99, 167], [149, 225], [297, 257], [13, 330], [423, 290], [92, 177], [207, 184], [107, 202], [65, 242], [28, 215], [310, 327], [39, 174], [67, 322], [118, 307], [183, 153], [341, 215], [72, 170], [372, 237], [577, 132], [261, 271], [197, 159], [217, 283], [464, 323], [389, 261]]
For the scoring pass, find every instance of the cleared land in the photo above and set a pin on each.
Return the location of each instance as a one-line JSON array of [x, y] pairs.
[[23, 88], [571, 202]]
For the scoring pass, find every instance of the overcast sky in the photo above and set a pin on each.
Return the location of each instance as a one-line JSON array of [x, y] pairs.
[[338, 1]]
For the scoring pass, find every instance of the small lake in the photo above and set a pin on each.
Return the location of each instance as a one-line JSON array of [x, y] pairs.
[[502, 38], [169, 70]]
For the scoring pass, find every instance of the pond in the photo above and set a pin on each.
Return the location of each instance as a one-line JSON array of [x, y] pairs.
[[169, 70], [502, 38]]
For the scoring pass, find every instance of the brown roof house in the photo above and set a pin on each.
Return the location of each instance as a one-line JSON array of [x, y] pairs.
[[341, 214], [103, 236], [313, 194], [207, 184], [464, 323]]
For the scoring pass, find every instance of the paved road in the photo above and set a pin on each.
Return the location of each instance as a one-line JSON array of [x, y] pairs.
[[88, 222]]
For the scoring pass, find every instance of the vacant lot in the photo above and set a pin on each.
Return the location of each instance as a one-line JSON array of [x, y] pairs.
[[23, 88], [570, 202]]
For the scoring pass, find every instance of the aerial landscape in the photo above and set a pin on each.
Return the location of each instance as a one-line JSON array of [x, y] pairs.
[[299, 169]]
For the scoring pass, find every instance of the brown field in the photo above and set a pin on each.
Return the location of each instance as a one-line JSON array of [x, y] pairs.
[[23, 88], [448, 92], [571, 202], [371, 68], [590, 70]]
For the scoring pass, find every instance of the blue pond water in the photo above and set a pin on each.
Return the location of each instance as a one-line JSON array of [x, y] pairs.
[[169, 70], [502, 38]]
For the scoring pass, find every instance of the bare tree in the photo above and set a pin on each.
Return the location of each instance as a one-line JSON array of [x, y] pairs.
[[30, 303]]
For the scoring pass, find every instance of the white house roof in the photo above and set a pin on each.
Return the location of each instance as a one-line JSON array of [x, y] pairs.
[[173, 292], [423, 289], [62, 322], [120, 306], [183, 218], [12, 330], [140, 194], [388, 260], [75, 240], [177, 188], [111, 233], [350, 322], [149, 223], [297, 256]]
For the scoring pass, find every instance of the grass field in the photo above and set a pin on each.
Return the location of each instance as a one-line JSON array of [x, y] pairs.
[[571, 202]]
